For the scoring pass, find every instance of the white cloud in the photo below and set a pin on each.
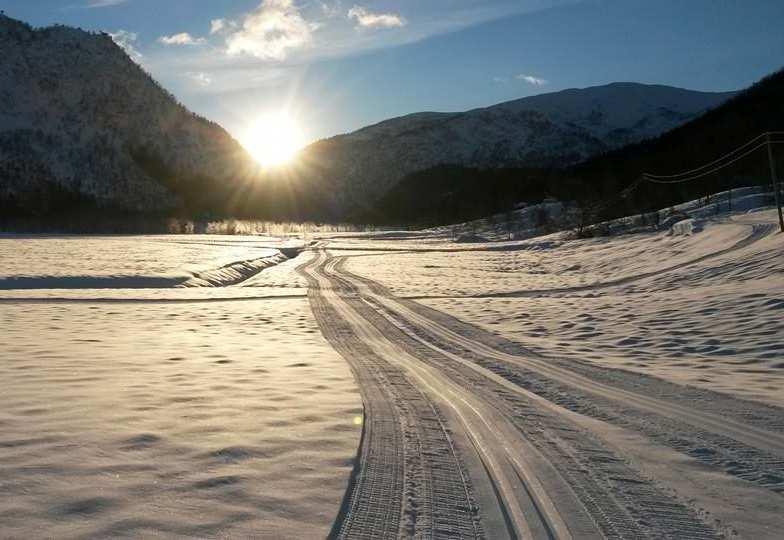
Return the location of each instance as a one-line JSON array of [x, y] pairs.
[[104, 3], [183, 38], [331, 9], [200, 78], [274, 41], [368, 19], [271, 31], [127, 41], [217, 25], [530, 79]]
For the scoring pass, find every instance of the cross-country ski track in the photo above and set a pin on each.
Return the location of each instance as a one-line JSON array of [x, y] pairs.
[[470, 435]]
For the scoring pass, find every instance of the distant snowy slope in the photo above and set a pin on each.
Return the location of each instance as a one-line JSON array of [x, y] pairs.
[[556, 129], [77, 115]]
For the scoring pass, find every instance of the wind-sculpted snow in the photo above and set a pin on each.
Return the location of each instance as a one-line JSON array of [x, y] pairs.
[[202, 412], [172, 420], [699, 306]]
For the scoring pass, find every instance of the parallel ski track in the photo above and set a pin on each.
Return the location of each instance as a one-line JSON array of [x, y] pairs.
[[409, 481], [741, 438], [597, 493]]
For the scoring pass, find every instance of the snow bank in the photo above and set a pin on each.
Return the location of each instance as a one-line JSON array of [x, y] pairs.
[[224, 276], [686, 227], [233, 273], [136, 262]]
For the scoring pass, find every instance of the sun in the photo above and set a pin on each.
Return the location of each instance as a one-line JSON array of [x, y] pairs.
[[273, 139]]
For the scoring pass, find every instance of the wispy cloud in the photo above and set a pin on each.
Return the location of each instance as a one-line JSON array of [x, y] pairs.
[[217, 26], [530, 79], [291, 31], [367, 19], [199, 77], [127, 40], [268, 45], [104, 3], [270, 31], [183, 38], [331, 9]]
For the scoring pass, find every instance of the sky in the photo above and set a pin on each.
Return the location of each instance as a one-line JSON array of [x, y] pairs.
[[338, 65]]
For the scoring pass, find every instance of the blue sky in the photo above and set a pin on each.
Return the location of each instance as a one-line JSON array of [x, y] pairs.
[[339, 65]]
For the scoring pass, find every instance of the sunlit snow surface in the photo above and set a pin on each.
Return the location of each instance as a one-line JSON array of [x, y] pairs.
[[120, 261], [663, 303], [173, 412], [218, 410], [144, 267]]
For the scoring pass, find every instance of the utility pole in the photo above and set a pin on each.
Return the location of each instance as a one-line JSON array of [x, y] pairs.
[[775, 182]]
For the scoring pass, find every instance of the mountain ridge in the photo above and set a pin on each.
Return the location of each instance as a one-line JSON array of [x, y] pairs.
[[615, 84], [552, 129]]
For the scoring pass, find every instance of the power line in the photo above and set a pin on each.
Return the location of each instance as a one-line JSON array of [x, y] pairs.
[[739, 153], [726, 160], [716, 165], [658, 180]]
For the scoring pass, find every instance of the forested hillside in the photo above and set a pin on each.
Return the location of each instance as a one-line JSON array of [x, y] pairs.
[[84, 128], [556, 129], [609, 184]]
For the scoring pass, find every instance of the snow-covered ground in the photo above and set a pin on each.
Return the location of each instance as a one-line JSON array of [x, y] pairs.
[[700, 303], [627, 386], [396, 385], [168, 412], [126, 261]]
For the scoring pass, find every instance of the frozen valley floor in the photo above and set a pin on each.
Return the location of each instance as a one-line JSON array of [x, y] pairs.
[[608, 388]]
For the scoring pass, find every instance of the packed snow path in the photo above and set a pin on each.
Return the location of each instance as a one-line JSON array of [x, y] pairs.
[[470, 435]]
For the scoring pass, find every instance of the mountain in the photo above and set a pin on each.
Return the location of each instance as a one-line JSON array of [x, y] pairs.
[[82, 124], [451, 194], [549, 130], [750, 113], [84, 130]]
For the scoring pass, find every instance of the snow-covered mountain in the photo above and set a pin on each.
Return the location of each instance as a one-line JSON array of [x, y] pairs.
[[78, 115], [79, 118], [556, 129]]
